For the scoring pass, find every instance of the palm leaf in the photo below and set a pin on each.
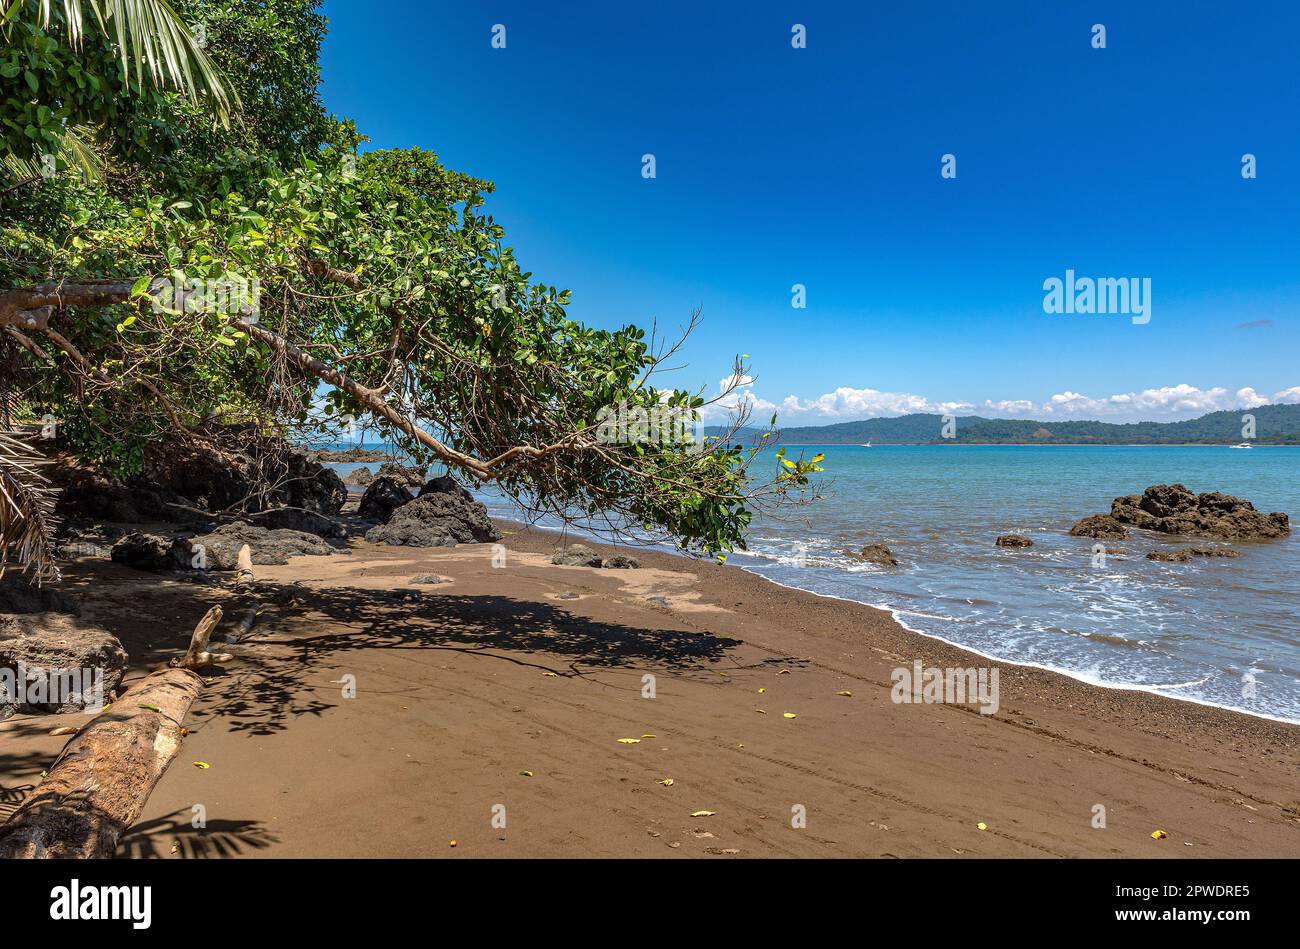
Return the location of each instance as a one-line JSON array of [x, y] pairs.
[[27, 522], [150, 36], [76, 150]]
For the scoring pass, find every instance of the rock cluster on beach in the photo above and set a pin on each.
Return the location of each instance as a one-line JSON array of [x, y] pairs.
[[580, 555], [443, 515], [269, 547], [1173, 509], [40, 629], [382, 497], [214, 468], [410, 475], [220, 548]]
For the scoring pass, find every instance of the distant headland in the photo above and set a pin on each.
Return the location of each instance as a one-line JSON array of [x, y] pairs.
[[1272, 425]]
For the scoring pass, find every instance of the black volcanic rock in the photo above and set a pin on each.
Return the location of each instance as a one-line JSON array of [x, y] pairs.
[[1173, 509], [153, 552], [1187, 553], [359, 476], [1101, 526], [384, 496], [439, 519], [409, 475], [879, 554]]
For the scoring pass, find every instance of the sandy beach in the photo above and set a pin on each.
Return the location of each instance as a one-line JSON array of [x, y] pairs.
[[501, 695]]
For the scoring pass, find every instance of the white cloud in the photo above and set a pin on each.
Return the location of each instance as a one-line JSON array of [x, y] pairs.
[[1164, 403]]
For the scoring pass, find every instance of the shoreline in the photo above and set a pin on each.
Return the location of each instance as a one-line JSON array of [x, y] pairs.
[[515, 685], [894, 612], [1067, 673]]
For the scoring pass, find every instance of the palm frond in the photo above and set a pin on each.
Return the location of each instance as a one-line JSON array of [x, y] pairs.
[[150, 36], [27, 521], [76, 151]]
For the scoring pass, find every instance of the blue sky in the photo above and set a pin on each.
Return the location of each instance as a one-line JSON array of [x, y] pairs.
[[820, 166]]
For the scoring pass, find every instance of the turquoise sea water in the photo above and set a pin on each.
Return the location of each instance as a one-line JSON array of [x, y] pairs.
[[1223, 631], [1216, 630]]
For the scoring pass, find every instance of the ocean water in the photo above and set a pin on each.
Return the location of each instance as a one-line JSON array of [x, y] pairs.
[[1219, 631], [1216, 630]]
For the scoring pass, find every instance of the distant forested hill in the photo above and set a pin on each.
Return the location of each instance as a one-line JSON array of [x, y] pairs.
[[1274, 425]]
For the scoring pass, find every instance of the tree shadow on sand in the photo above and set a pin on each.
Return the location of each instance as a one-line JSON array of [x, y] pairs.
[[175, 835], [264, 693]]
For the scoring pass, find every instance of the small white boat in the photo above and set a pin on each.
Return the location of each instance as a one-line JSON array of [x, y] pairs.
[[867, 445], [1242, 445]]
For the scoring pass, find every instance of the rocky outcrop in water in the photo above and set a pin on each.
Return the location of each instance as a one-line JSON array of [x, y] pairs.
[[1186, 554], [359, 476], [1100, 526], [877, 554], [1173, 509], [352, 455], [1013, 540]]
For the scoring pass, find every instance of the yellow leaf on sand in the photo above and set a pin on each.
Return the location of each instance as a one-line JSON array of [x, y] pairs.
[[702, 813], [1158, 835], [151, 708], [723, 674], [982, 826], [629, 741], [761, 711], [846, 692], [202, 764], [667, 782], [788, 714], [451, 843], [525, 774], [649, 736], [63, 730], [550, 675], [761, 691]]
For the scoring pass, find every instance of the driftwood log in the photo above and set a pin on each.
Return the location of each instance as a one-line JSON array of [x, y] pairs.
[[197, 656], [99, 784]]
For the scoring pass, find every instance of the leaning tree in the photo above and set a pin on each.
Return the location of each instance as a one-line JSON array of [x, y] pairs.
[[186, 233]]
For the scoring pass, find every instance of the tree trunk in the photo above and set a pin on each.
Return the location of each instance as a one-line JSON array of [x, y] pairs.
[[102, 779]]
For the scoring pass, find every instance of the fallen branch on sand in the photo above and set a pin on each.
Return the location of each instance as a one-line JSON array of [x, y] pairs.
[[197, 656], [99, 784]]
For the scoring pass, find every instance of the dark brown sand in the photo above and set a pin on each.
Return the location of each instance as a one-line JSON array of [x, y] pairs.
[[531, 667]]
